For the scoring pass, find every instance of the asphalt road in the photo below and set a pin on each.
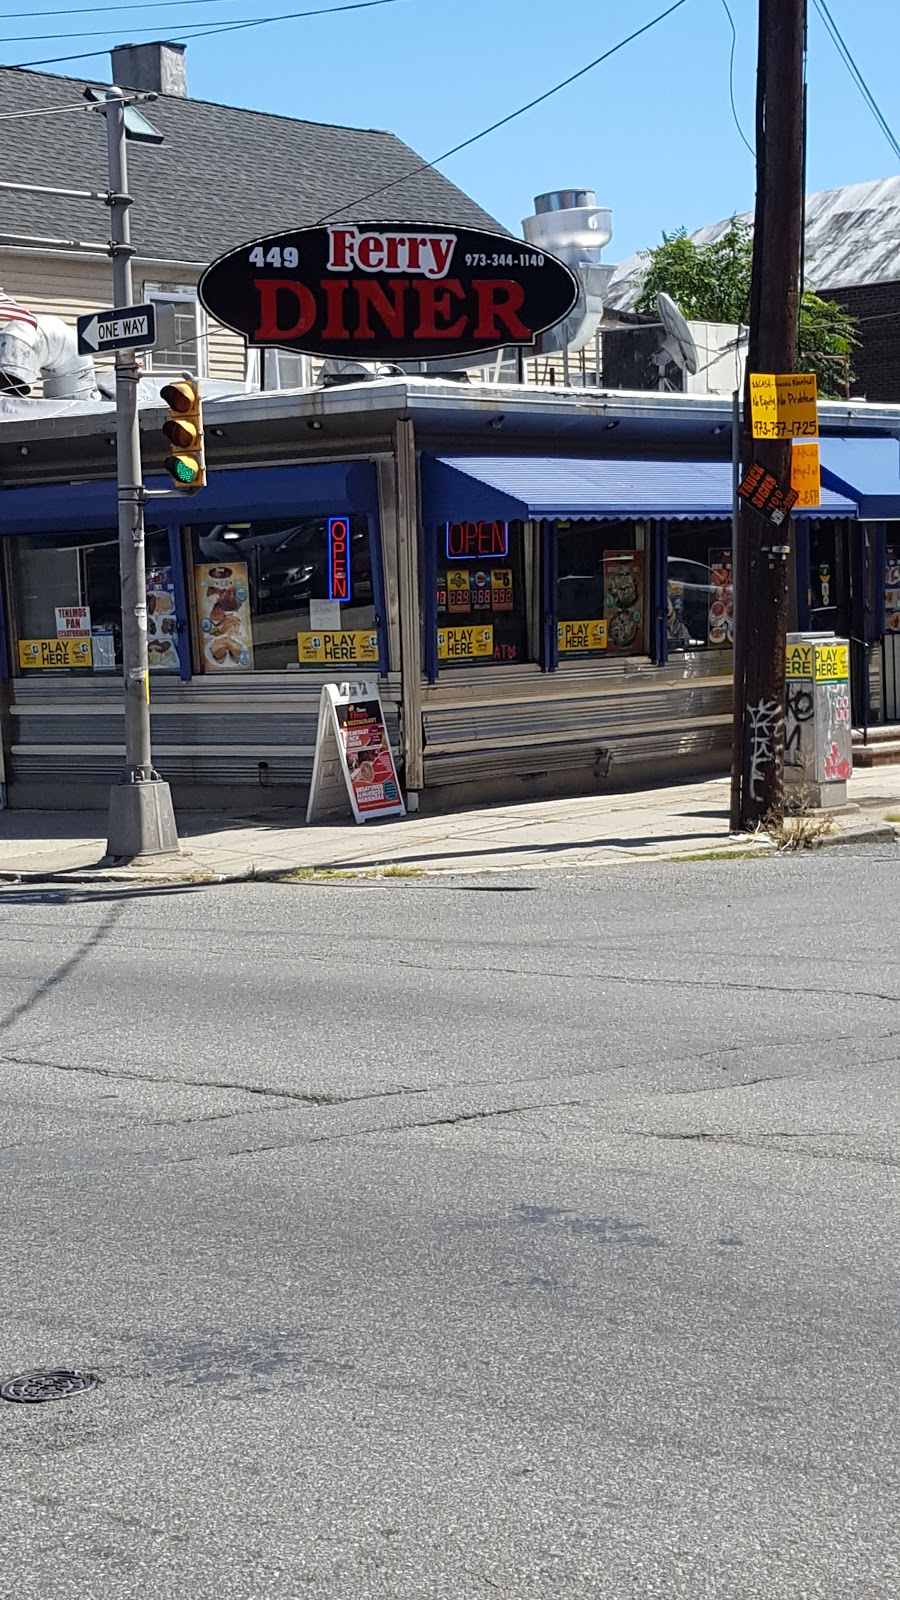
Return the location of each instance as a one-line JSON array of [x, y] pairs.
[[437, 1240]]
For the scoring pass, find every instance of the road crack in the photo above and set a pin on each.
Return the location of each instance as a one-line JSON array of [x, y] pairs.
[[312, 1097]]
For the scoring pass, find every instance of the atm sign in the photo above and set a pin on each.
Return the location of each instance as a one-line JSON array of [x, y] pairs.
[[474, 541]]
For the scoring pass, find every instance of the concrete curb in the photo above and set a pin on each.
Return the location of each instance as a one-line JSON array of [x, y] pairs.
[[861, 833], [185, 874]]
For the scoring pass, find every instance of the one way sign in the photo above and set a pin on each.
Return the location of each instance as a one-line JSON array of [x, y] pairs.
[[128, 328]]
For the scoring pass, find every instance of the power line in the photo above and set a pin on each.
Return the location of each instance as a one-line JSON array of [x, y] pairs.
[[426, 166], [737, 120], [54, 61], [422, 166], [844, 52], [43, 111], [66, 11], [193, 30]]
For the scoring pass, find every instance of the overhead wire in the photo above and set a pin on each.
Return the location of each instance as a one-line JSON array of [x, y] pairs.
[[737, 120], [193, 30], [846, 55], [44, 111], [131, 5], [502, 122], [464, 144]]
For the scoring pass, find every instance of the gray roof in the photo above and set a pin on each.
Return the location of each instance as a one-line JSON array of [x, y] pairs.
[[852, 237], [224, 175]]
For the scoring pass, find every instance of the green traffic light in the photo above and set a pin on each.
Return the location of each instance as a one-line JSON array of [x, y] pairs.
[[185, 472]]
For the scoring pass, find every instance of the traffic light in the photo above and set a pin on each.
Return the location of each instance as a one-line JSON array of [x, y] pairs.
[[183, 428]]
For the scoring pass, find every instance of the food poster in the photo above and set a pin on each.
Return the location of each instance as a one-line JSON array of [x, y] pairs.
[[623, 588], [223, 615], [162, 623], [368, 757], [892, 589], [678, 634], [721, 598]]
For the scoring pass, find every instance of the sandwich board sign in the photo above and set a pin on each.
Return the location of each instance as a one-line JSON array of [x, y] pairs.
[[353, 758]]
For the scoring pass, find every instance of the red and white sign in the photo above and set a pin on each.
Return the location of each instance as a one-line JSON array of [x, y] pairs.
[[73, 622], [353, 756], [388, 292]]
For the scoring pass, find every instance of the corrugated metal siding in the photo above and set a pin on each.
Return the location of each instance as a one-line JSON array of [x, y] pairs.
[[211, 734], [556, 722]]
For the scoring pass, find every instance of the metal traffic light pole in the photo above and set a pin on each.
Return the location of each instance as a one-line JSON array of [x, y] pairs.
[[141, 816]]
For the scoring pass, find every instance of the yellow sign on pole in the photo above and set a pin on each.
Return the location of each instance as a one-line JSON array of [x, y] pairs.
[[783, 405], [806, 475], [799, 661], [832, 663]]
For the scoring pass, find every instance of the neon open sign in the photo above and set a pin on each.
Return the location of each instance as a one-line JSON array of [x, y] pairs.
[[339, 559], [475, 541]]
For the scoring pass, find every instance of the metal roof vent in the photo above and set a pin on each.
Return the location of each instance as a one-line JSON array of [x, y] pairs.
[[569, 224]]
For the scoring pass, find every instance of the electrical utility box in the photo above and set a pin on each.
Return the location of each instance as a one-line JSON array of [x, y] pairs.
[[818, 747]]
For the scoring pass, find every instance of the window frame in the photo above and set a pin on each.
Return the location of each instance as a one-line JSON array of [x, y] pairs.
[[11, 619], [668, 532], [532, 564], [196, 359], [648, 551], [186, 532]]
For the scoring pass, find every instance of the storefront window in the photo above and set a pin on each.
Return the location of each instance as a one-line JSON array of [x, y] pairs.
[[67, 605], [700, 587], [600, 589], [482, 612], [284, 594], [829, 611]]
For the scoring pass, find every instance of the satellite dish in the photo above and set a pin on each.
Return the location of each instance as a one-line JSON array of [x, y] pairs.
[[679, 344]]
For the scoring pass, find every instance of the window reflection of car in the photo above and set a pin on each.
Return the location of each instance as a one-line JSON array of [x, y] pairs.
[[692, 577], [291, 583]]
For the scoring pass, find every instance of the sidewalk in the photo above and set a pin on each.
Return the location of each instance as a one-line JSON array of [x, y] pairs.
[[689, 819]]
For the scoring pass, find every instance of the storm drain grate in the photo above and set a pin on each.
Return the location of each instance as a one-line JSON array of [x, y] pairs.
[[30, 1388]]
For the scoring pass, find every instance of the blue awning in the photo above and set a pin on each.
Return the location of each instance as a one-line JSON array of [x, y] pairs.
[[333, 489], [866, 469], [546, 488]]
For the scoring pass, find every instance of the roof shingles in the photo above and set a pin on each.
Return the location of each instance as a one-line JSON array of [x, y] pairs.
[[224, 175]]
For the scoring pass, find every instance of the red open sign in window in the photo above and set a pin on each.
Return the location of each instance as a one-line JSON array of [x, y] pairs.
[[339, 559], [476, 541]]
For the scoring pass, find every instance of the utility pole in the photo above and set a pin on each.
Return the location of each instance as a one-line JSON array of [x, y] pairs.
[[141, 817], [765, 551]]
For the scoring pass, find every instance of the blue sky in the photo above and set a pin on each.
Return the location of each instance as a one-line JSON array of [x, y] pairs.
[[651, 130]]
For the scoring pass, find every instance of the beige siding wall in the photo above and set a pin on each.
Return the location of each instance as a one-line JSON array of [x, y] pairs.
[[60, 286]]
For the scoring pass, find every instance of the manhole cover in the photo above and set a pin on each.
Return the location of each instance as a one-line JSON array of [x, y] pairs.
[[30, 1388]]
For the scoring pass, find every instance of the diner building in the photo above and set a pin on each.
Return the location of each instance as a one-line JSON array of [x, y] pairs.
[[540, 580]]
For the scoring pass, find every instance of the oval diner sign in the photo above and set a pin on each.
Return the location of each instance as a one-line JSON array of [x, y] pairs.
[[388, 291]]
